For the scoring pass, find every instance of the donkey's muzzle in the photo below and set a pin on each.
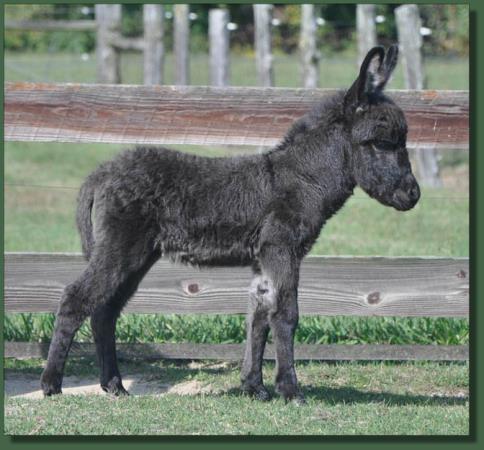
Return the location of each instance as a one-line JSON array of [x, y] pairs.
[[406, 198]]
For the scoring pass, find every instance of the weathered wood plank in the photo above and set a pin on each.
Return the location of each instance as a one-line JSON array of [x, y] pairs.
[[329, 286], [51, 25], [119, 42], [25, 350], [203, 115]]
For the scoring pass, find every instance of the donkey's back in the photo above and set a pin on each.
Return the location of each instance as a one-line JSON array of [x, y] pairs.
[[199, 210]]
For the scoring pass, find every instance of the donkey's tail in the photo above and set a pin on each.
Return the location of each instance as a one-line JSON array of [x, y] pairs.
[[85, 202]]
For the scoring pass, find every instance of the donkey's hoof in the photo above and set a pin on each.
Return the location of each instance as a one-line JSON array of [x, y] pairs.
[[51, 390], [258, 392], [291, 394], [50, 385], [298, 400], [114, 387]]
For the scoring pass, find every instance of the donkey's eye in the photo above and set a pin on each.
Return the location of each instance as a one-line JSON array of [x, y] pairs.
[[383, 145]]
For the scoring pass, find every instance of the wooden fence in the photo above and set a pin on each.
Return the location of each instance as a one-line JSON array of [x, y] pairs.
[[330, 286], [254, 116], [204, 115]]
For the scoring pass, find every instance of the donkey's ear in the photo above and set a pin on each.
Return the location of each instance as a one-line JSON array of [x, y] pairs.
[[375, 71]]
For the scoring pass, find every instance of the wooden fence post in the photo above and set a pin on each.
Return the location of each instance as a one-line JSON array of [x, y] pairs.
[[410, 41], [263, 44], [108, 19], [153, 55], [181, 31], [307, 45], [219, 47], [366, 29]]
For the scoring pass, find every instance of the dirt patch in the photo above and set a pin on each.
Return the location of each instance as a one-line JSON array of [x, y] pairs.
[[189, 388], [28, 386]]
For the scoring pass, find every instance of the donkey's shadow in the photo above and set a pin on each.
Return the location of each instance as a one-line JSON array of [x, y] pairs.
[[349, 395]]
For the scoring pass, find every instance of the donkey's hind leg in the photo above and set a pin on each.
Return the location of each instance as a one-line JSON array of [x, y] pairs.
[[110, 269], [74, 307], [103, 324]]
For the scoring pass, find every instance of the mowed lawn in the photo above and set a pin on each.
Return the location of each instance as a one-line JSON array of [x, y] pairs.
[[193, 398], [41, 182], [335, 71]]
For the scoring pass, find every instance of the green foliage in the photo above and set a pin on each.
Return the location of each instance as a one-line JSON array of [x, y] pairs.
[[230, 329], [450, 29], [449, 24], [48, 41]]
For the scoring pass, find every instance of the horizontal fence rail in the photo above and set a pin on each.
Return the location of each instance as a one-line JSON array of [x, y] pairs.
[[51, 25], [328, 286], [204, 115], [235, 352]]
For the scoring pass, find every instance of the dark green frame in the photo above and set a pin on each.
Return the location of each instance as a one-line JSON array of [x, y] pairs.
[[476, 436]]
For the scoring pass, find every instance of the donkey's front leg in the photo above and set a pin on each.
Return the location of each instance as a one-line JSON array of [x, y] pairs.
[[281, 267], [257, 323]]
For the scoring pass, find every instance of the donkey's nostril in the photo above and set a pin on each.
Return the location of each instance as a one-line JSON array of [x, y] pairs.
[[414, 193]]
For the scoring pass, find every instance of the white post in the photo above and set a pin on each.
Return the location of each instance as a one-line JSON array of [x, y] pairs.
[[219, 46], [181, 30], [307, 45], [263, 44], [366, 29], [108, 19], [410, 42], [153, 55]]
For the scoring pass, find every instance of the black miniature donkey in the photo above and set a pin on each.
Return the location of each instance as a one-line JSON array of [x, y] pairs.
[[265, 211]]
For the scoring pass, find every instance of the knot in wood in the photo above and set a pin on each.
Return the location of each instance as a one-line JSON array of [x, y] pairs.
[[193, 288], [461, 274], [373, 298]]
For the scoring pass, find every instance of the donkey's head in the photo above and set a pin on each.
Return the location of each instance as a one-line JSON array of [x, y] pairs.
[[378, 133]]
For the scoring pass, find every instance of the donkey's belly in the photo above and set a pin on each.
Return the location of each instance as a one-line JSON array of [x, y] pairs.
[[212, 245], [213, 257]]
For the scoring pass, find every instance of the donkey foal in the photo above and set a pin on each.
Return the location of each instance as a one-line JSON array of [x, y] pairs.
[[265, 211]]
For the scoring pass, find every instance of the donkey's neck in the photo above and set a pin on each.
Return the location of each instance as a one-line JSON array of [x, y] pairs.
[[315, 158]]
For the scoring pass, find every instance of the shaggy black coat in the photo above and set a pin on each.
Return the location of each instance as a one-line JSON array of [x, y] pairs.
[[265, 211]]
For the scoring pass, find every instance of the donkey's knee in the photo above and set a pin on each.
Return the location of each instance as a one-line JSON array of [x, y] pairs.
[[75, 301], [262, 294]]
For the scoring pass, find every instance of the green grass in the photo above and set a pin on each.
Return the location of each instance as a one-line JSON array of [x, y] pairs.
[[335, 72], [41, 182], [342, 399]]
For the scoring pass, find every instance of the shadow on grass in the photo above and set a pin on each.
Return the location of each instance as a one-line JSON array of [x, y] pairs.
[[179, 371], [349, 396]]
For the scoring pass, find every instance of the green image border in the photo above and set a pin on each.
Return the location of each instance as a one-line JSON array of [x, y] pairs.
[[476, 436]]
